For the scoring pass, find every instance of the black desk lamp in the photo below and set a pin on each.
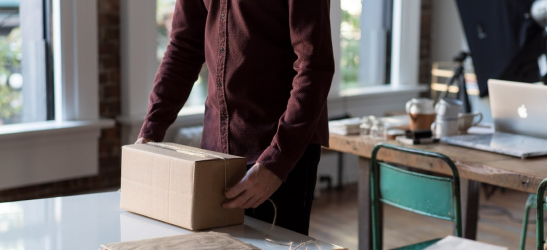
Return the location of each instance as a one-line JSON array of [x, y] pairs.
[[459, 77]]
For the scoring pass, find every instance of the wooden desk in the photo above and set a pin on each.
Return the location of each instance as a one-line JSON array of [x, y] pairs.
[[474, 165]]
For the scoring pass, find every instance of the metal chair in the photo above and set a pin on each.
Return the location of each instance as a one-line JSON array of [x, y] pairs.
[[530, 203], [540, 205], [433, 196]]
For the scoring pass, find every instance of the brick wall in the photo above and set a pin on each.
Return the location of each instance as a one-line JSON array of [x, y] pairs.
[[109, 98]]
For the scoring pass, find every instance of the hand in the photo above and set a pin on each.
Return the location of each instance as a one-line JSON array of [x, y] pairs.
[[143, 140], [256, 187]]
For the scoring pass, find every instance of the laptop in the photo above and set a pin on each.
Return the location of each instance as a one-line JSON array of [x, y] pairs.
[[519, 112]]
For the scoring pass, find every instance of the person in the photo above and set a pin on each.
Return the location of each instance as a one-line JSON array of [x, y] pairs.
[[271, 65]]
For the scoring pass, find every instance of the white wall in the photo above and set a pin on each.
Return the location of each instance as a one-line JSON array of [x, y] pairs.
[[447, 36]]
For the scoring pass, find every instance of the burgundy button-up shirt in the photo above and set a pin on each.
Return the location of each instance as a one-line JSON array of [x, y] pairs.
[[270, 69]]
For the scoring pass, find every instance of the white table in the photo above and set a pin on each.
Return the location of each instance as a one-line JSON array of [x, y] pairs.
[[87, 221]]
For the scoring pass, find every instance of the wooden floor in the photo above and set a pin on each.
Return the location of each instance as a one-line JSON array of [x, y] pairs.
[[334, 220]]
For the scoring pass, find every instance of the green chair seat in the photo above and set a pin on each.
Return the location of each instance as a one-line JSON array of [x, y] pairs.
[[432, 196], [419, 246]]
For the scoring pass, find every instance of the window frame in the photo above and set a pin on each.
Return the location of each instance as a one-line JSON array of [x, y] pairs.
[[75, 53], [37, 62], [67, 147], [48, 34]]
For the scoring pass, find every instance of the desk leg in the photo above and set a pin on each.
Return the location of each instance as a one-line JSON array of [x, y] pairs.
[[363, 196], [340, 170], [472, 211]]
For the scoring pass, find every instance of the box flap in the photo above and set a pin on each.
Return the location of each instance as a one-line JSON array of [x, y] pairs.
[[182, 152]]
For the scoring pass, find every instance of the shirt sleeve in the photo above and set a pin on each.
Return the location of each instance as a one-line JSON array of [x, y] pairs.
[[179, 68], [310, 35]]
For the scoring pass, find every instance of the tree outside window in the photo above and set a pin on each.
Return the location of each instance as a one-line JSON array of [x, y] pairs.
[[350, 33], [11, 80]]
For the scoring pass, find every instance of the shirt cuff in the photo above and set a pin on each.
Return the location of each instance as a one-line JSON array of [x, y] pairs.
[[154, 131], [276, 162]]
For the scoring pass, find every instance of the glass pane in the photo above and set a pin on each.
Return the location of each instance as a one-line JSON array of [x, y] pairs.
[[365, 33], [164, 18], [350, 34], [11, 78], [22, 62]]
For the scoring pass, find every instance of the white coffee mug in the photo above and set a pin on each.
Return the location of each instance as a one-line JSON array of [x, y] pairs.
[[465, 121], [448, 108], [442, 128]]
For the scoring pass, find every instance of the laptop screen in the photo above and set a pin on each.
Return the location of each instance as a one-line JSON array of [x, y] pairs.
[[519, 108]]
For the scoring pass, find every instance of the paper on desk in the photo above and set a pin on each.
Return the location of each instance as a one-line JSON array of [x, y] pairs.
[[345, 126], [198, 241], [456, 243]]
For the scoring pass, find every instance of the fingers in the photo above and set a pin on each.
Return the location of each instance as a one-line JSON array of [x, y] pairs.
[[253, 189], [237, 189], [143, 140], [239, 201]]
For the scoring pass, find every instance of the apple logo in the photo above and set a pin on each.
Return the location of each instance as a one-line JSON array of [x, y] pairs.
[[522, 111]]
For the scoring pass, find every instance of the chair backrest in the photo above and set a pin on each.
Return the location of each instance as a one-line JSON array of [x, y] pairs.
[[433, 196], [540, 203]]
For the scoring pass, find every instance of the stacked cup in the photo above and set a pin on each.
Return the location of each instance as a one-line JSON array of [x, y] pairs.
[[421, 112], [446, 122]]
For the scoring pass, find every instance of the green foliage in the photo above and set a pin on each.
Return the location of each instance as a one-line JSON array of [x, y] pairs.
[[349, 61], [10, 60]]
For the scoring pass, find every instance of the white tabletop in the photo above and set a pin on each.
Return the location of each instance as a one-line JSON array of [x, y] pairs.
[[87, 221]]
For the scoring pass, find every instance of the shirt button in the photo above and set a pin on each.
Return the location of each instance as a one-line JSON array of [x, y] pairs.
[[222, 15], [223, 117], [219, 84], [222, 49]]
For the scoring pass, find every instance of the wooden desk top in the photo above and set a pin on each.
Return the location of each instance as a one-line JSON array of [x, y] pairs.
[[500, 170]]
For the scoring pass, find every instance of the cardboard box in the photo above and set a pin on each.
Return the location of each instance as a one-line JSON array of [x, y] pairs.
[[180, 185]]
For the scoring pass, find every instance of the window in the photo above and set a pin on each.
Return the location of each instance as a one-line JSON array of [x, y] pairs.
[[350, 35], [164, 18], [26, 90], [11, 79], [365, 43]]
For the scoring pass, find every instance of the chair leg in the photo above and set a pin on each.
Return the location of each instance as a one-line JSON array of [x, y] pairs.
[[529, 204]]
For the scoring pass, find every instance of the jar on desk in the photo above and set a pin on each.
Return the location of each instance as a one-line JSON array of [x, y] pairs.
[[378, 131], [366, 124]]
